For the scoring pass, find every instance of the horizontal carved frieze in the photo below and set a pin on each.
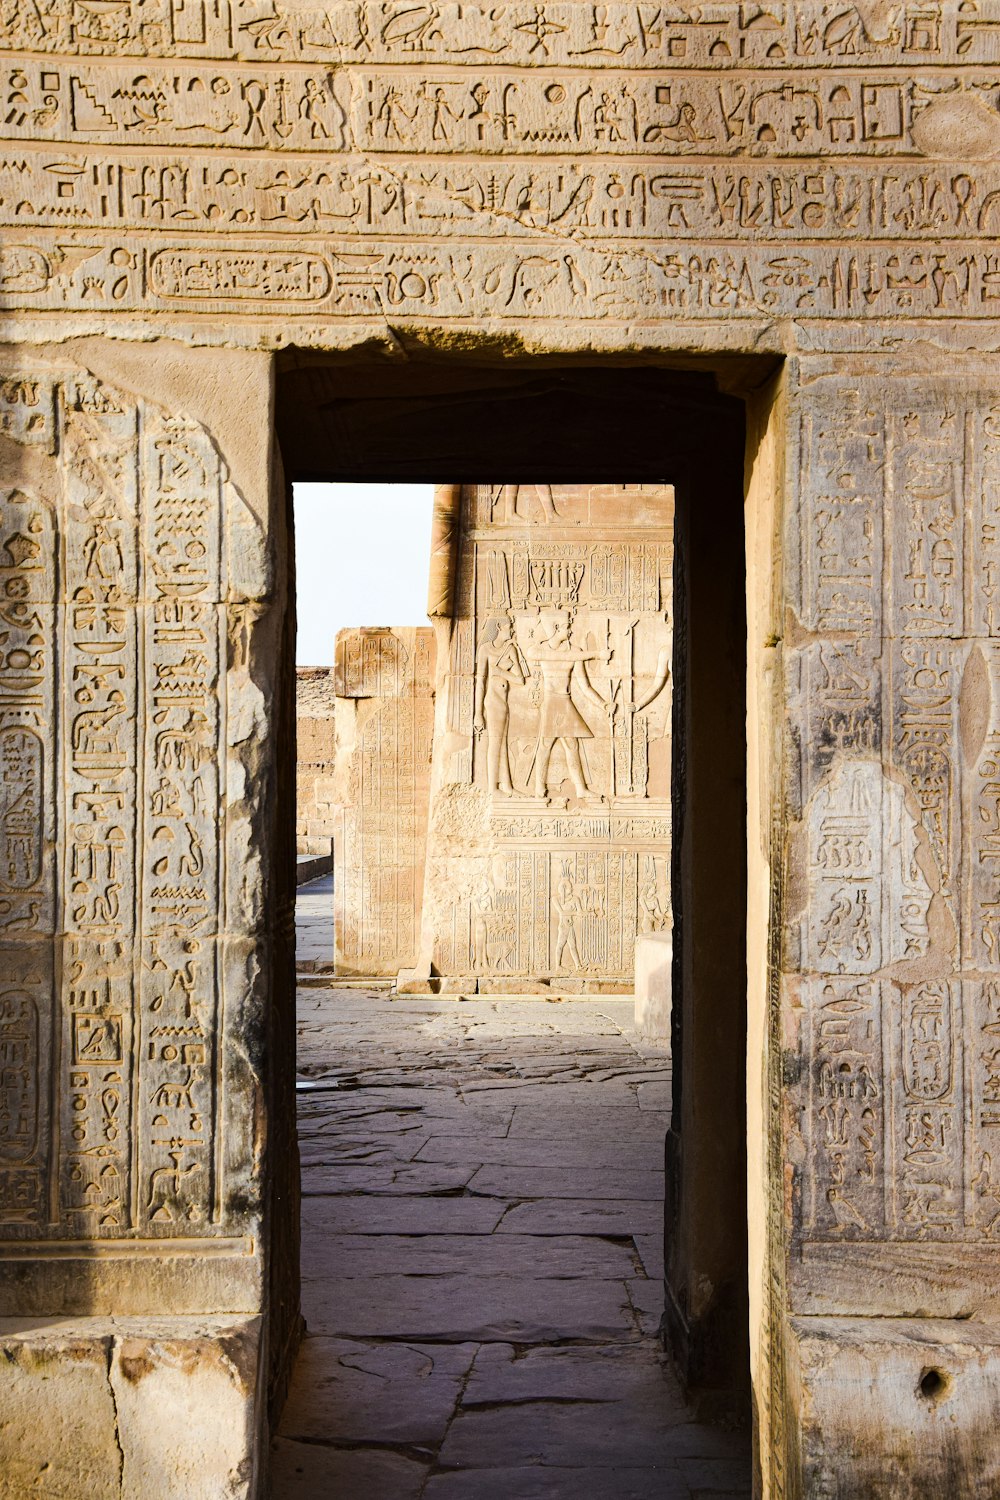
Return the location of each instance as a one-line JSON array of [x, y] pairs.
[[184, 192], [540, 278], [773, 35], [477, 109]]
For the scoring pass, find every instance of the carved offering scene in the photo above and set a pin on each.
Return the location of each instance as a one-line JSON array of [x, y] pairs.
[[550, 822]]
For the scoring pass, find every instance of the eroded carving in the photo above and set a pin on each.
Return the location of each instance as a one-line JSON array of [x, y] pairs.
[[111, 938]]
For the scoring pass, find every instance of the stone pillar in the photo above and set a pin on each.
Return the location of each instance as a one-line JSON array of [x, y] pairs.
[[315, 736], [878, 1369], [137, 937], [384, 683]]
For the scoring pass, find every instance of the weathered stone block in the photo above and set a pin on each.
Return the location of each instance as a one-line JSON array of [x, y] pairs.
[[123, 1409], [384, 680], [892, 1409], [653, 988]]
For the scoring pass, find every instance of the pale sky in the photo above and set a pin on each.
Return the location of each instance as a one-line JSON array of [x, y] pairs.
[[361, 558]]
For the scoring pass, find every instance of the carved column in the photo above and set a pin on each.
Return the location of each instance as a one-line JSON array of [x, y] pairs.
[[135, 950], [882, 1100]]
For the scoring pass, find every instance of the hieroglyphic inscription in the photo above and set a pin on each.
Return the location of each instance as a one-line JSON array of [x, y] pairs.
[[551, 831], [900, 685], [28, 779], [385, 720], [771, 37], [539, 111], [110, 938], [358, 160]]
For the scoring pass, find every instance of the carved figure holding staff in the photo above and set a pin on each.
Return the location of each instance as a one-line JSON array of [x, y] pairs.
[[499, 666]]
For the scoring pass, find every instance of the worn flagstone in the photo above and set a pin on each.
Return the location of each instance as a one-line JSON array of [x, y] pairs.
[[482, 1260]]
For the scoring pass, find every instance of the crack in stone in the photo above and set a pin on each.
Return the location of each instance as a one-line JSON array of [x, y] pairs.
[[112, 1345]]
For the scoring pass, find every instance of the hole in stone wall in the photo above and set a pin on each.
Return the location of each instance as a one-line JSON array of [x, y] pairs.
[[933, 1384]]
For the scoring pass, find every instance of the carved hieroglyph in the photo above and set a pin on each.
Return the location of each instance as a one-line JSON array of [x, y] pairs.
[[127, 559], [384, 681], [550, 835], [885, 1015]]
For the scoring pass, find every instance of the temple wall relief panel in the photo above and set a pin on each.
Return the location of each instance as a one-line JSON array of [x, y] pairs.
[[304, 167], [887, 1090], [550, 822], [130, 570]]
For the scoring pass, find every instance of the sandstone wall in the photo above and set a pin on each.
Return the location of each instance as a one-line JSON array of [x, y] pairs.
[[315, 803], [384, 682], [718, 187]]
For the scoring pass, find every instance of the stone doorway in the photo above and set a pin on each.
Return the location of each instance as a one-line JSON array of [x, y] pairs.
[[627, 424]]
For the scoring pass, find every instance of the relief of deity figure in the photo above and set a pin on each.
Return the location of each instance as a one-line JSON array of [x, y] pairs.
[[561, 665], [499, 666]]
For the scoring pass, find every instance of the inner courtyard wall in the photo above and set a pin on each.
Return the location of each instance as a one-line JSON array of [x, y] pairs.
[[196, 197], [549, 840], [315, 737]]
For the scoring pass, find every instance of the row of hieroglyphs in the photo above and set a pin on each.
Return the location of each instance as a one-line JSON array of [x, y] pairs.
[[113, 699], [300, 196], [498, 111], [470, 280], [772, 34], [898, 790]]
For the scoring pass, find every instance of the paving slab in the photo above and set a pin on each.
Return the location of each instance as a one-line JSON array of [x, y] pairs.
[[637, 1373], [568, 1182], [526, 1151], [314, 1471], [375, 1393], [401, 1178], [324, 1216], [650, 1248], [518, 1309], [556, 1120], [539, 1256], [582, 1216], [647, 1300], [547, 1482]]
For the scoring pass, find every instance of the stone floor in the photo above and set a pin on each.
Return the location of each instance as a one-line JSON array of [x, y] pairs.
[[314, 923], [482, 1259]]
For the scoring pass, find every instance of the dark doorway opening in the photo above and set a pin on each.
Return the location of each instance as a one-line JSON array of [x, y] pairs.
[[342, 418]]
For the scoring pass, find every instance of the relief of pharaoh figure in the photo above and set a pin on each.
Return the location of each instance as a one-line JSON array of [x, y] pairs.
[[499, 666], [561, 664]]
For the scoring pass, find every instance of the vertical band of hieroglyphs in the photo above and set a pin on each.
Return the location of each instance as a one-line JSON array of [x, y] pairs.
[[899, 691], [110, 993]]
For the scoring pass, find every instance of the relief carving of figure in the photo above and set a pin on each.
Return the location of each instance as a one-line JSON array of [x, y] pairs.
[[569, 909], [562, 665], [511, 503], [499, 666]]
